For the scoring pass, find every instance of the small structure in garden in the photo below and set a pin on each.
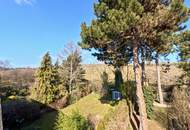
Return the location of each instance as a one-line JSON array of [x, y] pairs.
[[116, 95]]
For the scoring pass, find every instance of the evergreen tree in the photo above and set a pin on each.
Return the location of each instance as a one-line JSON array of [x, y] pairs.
[[184, 54], [118, 78], [60, 89], [105, 84], [134, 23], [46, 81], [73, 122], [56, 73], [117, 57]]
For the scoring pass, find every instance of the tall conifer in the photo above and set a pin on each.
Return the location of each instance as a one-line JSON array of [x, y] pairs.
[[184, 54], [46, 81], [134, 23]]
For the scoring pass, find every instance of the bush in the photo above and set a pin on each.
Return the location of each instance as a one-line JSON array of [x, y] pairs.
[[12, 91], [73, 122], [118, 78], [149, 100], [131, 91], [104, 91], [19, 111], [179, 115], [148, 95]]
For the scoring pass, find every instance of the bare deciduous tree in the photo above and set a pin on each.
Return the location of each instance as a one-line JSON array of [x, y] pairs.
[[71, 70]]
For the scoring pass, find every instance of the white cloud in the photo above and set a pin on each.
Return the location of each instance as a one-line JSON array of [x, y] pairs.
[[20, 2]]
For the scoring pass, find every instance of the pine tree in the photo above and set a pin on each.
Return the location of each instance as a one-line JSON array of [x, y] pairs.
[[118, 78], [56, 73], [134, 23], [184, 54], [60, 88], [116, 57], [46, 82]]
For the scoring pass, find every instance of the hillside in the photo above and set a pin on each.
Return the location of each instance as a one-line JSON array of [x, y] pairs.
[[94, 71], [89, 105], [25, 76]]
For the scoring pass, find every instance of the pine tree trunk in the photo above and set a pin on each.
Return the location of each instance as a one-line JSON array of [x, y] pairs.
[[143, 67], [139, 91], [158, 80]]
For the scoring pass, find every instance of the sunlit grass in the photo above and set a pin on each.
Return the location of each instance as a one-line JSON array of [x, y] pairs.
[[87, 105]]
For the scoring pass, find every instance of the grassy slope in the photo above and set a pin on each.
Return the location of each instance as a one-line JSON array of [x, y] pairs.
[[92, 105], [87, 105], [46, 122]]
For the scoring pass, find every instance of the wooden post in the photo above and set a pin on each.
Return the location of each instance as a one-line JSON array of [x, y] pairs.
[[1, 119]]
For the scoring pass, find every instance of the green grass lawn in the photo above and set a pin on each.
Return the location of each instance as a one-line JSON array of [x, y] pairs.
[[87, 105]]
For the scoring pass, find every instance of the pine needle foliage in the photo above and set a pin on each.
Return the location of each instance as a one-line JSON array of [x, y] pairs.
[[73, 122], [46, 82]]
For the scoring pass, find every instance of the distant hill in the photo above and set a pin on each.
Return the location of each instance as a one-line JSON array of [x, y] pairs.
[[25, 76], [93, 73], [20, 77]]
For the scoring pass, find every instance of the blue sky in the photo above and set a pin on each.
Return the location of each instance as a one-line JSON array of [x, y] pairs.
[[29, 28]]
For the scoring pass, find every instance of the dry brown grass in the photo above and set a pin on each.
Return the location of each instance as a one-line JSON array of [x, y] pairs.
[[94, 71], [153, 125], [93, 74]]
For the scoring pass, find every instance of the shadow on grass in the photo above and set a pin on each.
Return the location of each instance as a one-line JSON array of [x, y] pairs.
[[110, 101], [106, 94], [161, 116], [167, 92], [127, 90], [18, 114]]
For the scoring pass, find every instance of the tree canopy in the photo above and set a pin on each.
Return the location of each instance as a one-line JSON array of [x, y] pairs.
[[129, 25]]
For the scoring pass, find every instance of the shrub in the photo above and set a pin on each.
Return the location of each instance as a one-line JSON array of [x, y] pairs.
[[149, 100], [19, 111], [73, 122], [131, 91], [179, 115], [123, 90], [8, 91], [118, 78], [105, 84], [148, 95]]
